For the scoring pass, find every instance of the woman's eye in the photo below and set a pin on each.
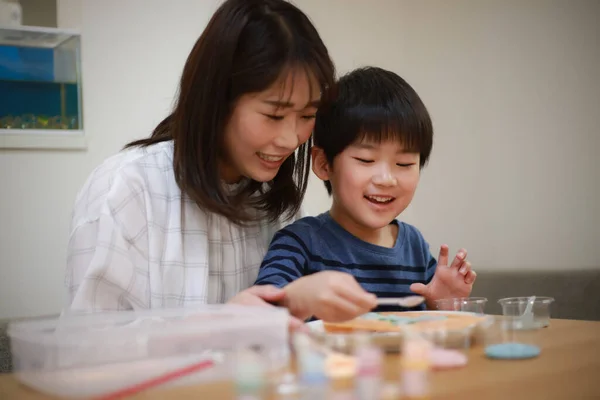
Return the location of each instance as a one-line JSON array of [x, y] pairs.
[[363, 160], [274, 117], [405, 165], [309, 117]]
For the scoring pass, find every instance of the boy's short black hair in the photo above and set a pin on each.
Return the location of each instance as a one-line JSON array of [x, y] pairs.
[[376, 105]]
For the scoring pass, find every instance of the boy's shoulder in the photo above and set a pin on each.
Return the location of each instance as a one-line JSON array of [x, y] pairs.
[[413, 237], [311, 225], [411, 233], [307, 232], [307, 225]]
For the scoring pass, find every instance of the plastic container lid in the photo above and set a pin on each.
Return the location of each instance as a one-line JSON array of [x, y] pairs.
[[82, 355]]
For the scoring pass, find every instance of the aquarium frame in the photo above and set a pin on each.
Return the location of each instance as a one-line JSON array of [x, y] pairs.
[[47, 138]]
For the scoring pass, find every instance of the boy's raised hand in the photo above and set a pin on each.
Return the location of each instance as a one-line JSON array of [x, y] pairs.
[[329, 295], [454, 280]]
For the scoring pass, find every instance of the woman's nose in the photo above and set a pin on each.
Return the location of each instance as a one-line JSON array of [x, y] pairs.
[[288, 137]]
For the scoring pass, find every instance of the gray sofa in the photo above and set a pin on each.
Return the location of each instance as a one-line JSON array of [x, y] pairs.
[[576, 294], [5, 360]]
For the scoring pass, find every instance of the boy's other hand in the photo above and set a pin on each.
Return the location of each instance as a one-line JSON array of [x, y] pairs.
[[454, 280], [329, 295]]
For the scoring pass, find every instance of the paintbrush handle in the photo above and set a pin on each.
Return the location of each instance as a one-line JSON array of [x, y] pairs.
[[390, 301], [408, 301]]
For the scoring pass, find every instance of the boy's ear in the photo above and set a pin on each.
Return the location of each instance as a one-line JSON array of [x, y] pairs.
[[320, 166]]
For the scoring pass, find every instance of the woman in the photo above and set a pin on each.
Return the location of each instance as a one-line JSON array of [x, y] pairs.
[[185, 216]]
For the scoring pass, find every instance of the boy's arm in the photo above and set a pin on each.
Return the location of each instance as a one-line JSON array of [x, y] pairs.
[[285, 261], [330, 295]]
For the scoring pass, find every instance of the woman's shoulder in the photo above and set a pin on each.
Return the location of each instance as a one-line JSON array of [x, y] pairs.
[[133, 170]]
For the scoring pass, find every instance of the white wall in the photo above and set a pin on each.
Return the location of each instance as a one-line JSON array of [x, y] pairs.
[[512, 86], [514, 91]]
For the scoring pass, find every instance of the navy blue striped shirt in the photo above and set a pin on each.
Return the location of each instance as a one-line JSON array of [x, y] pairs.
[[314, 244]]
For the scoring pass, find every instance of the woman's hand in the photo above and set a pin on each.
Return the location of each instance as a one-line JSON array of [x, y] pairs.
[[264, 295]]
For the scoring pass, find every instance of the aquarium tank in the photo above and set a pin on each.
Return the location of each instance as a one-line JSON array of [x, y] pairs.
[[40, 80]]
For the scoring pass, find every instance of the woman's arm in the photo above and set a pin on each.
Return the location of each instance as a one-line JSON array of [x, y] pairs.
[[107, 254], [329, 295], [101, 273]]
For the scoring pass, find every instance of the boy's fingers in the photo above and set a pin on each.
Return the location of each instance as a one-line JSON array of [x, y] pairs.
[[340, 310], [418, 288], [350, 290], [443, 257], [360, 298], [466, 267], [470, 277], [459, 259]]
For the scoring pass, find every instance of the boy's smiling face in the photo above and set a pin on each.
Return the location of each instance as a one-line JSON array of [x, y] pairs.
[[372, 183]]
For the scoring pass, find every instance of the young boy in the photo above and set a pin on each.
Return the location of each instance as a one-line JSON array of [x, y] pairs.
[[370, 146]]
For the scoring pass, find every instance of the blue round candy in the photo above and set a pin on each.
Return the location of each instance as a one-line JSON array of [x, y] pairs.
[[512, 351]]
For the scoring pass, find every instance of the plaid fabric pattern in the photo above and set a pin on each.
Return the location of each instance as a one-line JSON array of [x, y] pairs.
[[136, 242]]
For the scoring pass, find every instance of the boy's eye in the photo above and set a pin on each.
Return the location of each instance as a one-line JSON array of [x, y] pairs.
[[274, 117], [405, 165], [363, 160], [309, 117]]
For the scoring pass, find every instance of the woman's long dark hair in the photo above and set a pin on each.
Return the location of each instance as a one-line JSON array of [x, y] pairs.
[[246, 47]]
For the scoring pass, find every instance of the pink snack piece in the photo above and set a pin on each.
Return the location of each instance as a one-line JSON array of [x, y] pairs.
[[446, 359]]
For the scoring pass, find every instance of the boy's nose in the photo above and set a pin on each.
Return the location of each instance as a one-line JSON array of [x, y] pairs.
[[384, 179]]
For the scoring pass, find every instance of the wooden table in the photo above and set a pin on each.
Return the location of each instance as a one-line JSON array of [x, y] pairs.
[[568, 368]]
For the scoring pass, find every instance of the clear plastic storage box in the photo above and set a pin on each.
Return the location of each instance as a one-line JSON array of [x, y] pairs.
[[98, 354]]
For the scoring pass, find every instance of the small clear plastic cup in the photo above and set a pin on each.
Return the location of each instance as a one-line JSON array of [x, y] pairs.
[[446, 336], [449, 344], [466, 304], [505, 340], [516, 306], [415, 365]]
